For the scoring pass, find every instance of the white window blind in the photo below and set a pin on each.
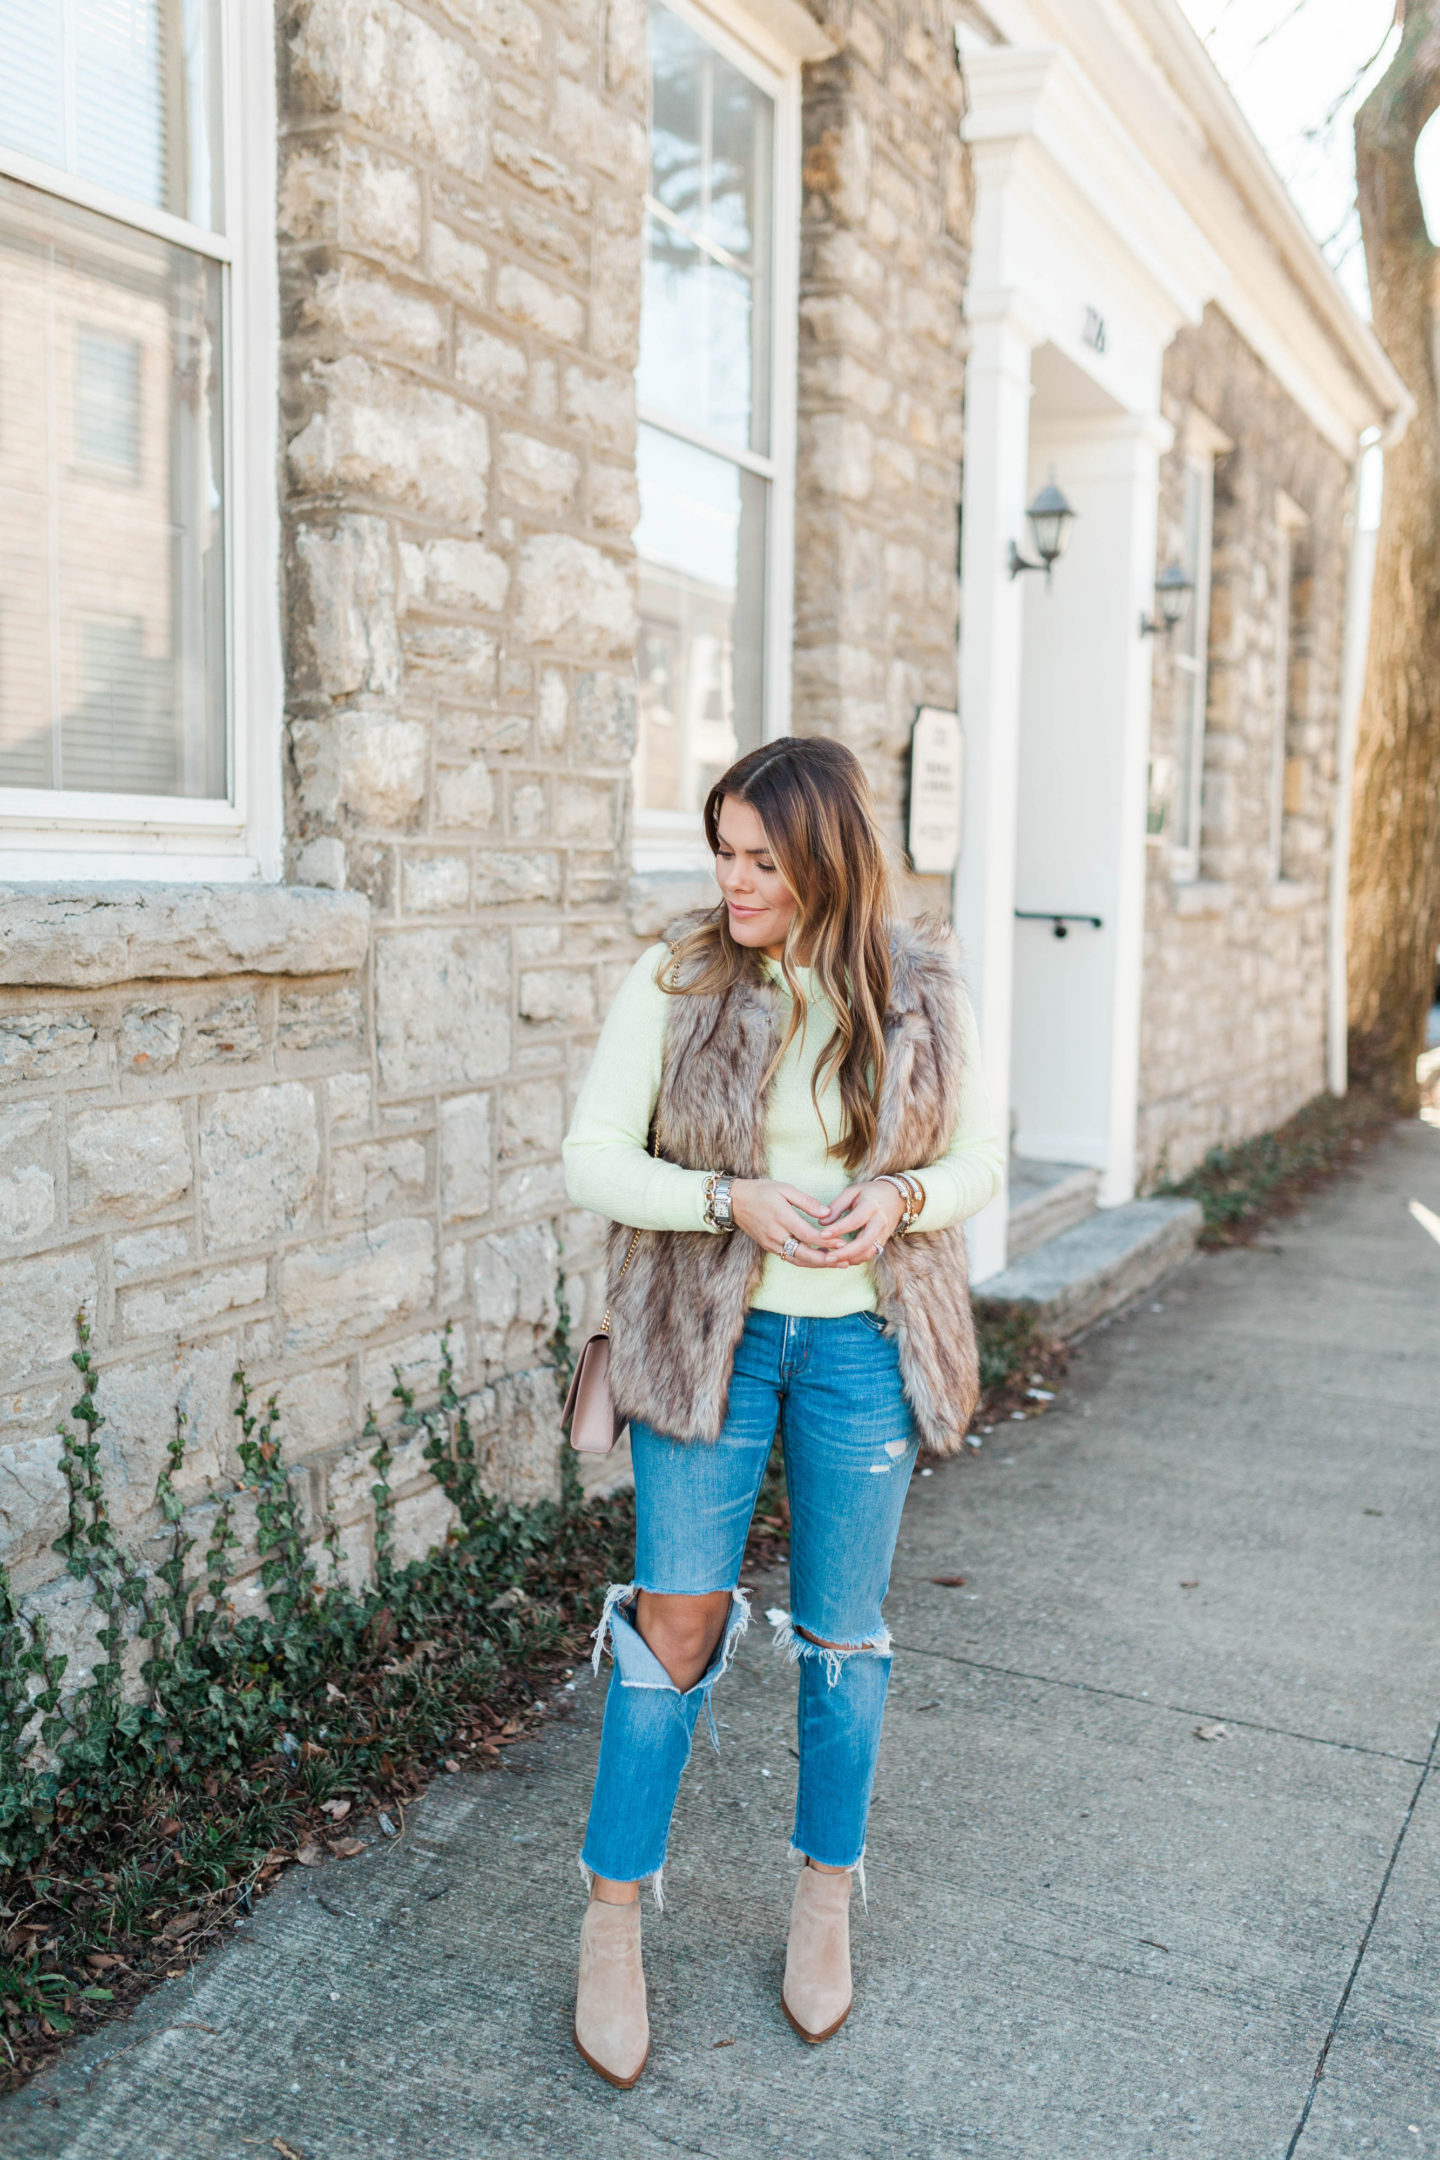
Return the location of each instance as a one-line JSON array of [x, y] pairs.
[[113, 519]]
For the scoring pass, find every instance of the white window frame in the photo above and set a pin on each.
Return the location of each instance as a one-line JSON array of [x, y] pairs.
[[72, 835], [1290, 519], [1204, 443], [674, 839]]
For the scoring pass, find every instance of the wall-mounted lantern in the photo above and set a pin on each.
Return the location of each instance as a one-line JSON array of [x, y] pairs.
[[1172, 596], [1050, 519]]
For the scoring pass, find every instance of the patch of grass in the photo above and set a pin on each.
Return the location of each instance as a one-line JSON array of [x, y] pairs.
[[1242, 1188], [132, 1833]]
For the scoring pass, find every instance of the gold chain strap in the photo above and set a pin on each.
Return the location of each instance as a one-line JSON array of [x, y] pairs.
[[635, 1240]]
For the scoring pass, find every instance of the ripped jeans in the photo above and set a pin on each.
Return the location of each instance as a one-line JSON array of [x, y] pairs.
[[833, 1388]]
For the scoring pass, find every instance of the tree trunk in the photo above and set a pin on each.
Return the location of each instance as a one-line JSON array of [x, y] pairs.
[[1395, 857]]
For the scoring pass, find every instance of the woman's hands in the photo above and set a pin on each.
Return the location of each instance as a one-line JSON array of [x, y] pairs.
[[848, 1233]]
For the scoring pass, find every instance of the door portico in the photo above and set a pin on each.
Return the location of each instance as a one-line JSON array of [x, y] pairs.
[[1084, 268]]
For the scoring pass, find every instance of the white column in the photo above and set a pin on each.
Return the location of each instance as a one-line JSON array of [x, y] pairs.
[[997, 433]]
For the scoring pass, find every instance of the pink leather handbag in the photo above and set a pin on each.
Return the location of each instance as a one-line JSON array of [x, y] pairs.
[[590, 1415]]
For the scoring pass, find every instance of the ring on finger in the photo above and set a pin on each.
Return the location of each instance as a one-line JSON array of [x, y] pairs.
[[789, 1249]]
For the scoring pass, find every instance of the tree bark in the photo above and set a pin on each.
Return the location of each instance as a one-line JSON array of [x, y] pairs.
[[1394, 923]]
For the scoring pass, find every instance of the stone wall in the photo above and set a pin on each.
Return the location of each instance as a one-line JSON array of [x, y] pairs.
[[1234, 1011], [884, 255], [302, 1129], [312, 1172]]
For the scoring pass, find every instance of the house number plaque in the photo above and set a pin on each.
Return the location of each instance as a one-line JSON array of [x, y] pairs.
[[937, 760]]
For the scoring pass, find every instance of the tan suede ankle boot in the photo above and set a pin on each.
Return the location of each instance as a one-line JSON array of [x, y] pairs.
[[612, 2030], [816, 1996]]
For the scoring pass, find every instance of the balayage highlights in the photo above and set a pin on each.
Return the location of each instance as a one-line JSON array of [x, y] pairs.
[[814, 802]]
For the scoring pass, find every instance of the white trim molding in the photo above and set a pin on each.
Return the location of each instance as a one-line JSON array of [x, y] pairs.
[[51, 834]]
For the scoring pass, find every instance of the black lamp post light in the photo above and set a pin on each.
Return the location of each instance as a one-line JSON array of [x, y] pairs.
[[1172, 596], [1050, 518]]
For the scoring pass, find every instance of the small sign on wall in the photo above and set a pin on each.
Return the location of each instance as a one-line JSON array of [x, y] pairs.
[[937, 764]]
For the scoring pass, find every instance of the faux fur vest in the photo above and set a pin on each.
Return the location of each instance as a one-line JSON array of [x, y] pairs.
[[678, 1314]]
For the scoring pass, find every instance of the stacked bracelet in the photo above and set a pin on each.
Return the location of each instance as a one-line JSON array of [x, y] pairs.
[[911, 1192]]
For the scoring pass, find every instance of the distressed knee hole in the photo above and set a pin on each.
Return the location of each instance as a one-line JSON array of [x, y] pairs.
[[801, 1646]]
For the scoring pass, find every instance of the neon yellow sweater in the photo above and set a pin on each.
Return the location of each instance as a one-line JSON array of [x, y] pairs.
[[608, 1168]]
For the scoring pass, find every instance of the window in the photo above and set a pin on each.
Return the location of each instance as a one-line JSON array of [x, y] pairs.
[[134, 341], [716, 400], [1204, 443]]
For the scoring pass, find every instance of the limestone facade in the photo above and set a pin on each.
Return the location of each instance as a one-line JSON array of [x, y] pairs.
[[1234, 1003], [304, 1131]]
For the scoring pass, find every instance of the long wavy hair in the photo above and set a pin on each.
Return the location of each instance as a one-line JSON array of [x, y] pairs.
[[814, 802]]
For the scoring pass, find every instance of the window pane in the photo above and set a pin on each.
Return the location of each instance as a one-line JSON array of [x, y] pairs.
[[701, 542], [112, 609], [121, 92], [705, 330]]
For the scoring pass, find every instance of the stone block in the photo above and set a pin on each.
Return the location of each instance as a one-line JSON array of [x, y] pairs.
[[314, 1411], [343, 609], [347, 1104], [566, 994], [538, 168], [102, 933], [364, 766], [605, 717], [356, 1284], [434, 884], [387, 68], [442, 1005], [617, 252], [584, 811], [422, 1523], [147, 1250], [464, 1156], [34, 1497], [614, 498], [458, 265], [127, 1161], [545, 236], [140, 1398], [44, 1046], [613, 143], [536, 475], [500, 878], [602, 407], [554, 709], [228, 1033], [360, 307], [538, 304], [150, 1039], [520, 1459], [459, 661], [572, 596], [538, 1188], [259, 1163], [464, 798], [532, 1119], [514, 1278], [376, 1175], [465, 574], [417, 1358], [321, 1019], [491, 366], [528, 811], [179, 1307], [72, 1621], [381, 434]]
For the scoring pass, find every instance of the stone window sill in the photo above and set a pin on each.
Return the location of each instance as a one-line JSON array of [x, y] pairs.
[[1202, 896], [1283, 896], [84, 937]]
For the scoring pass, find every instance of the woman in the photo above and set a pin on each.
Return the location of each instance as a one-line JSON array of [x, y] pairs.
[[780, 1090]]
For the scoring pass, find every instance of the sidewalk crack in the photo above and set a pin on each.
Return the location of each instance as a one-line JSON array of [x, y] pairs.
[[1405, 1822], [1149, 1702]]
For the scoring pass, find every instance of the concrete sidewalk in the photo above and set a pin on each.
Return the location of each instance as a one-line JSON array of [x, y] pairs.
[[1090, 1932]]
